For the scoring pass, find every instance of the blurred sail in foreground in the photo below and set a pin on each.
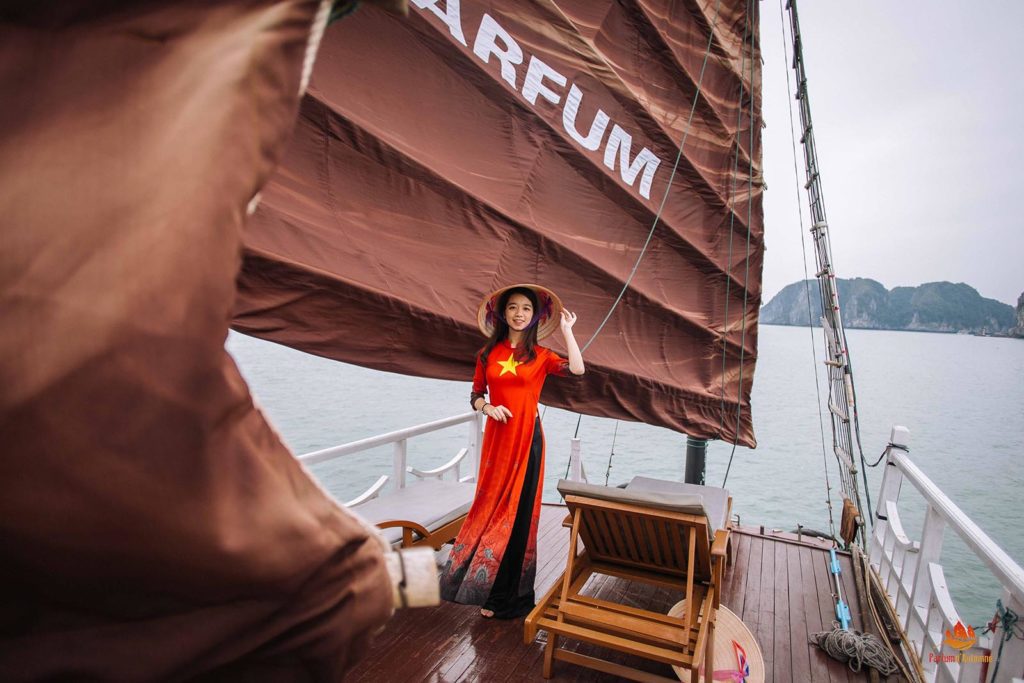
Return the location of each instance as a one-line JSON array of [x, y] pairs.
[[153, 525], [474, 144]]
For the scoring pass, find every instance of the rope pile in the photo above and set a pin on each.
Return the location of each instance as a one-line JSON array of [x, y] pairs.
[[856, 649]]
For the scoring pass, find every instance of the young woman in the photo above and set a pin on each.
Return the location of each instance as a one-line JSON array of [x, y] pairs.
[[494, 559]]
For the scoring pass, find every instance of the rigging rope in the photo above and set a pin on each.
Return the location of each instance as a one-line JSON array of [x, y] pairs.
[[747, 31], [861, 648], [661, 208], [668, 186], [807, 278], [608, 472], [732, 218], [841, 395], [885, 452], [856, 426], [872, 585], [856, 649]]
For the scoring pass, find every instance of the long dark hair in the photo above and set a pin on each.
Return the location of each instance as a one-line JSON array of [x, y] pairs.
[[526, 351]]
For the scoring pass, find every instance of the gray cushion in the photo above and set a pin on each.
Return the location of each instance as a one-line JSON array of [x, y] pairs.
[[716, 500], [690, 504], [430, 503]]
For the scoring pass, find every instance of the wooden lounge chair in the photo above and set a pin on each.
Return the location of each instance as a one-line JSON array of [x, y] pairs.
[[665, 539], [426, 513], [716, 499]]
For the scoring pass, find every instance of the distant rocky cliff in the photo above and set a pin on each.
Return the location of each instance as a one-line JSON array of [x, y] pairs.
[[1018, 331], [931, 307]]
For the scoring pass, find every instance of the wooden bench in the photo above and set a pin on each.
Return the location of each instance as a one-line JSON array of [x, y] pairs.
[[424, 513]]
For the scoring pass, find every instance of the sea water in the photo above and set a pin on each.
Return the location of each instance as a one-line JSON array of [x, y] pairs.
[[962, 397]]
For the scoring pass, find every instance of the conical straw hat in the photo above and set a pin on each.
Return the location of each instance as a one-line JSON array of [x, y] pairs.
[[548, 313], [737, 654]]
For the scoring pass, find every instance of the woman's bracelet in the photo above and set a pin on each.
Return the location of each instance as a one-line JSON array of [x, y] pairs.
[[484, 406]]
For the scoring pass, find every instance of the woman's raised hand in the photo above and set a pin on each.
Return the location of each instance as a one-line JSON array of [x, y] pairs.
[[576, 366], [568, 320], [499, 413]]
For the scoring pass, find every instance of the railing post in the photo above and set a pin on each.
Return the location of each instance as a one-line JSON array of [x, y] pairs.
[[895, 550], [401, 455], [576, 470], [937, 619], [931, 549], [476, 439], [889, 492], [473, 443], [892, 477]]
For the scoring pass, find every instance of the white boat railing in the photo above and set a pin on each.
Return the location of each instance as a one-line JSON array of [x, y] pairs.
[[913, 577], [400, 452]]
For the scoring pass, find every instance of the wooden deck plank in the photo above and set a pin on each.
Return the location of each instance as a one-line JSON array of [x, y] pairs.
[[418, 638], [502, 652], [750, 599], [799, 647], [736, 575], [453, 643], [752, 586], [765, 606], [812, 617], [552, 547], [782, 661], [452, 663], [530, 662], [419, 662], [405, 626]]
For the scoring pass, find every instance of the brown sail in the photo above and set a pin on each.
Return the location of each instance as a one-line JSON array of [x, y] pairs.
[[473, 145], [152, 525]]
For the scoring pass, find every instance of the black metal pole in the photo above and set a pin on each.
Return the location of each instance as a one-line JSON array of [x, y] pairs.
[[696, 456]]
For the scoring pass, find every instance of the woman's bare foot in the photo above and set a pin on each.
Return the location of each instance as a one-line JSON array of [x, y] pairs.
[[486, 613]]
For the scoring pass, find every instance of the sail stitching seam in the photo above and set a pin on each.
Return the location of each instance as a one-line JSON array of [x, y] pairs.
[[746, 275], [668, 186], [732, 215]]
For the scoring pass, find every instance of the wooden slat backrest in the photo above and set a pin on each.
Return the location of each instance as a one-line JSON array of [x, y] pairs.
[[646, 538]]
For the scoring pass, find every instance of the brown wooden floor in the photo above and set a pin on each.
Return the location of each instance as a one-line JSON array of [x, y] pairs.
[[780, 589]]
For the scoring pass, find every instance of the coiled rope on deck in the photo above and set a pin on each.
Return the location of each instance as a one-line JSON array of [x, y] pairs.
[[856, 649]]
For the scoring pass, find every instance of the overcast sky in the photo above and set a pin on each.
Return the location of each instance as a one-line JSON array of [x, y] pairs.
[[918, 110]]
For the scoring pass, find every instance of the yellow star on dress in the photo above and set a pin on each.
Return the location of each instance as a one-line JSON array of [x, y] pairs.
[[509, 365]]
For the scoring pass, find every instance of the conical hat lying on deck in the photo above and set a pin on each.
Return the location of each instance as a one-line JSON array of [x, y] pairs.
[[737, 654]]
